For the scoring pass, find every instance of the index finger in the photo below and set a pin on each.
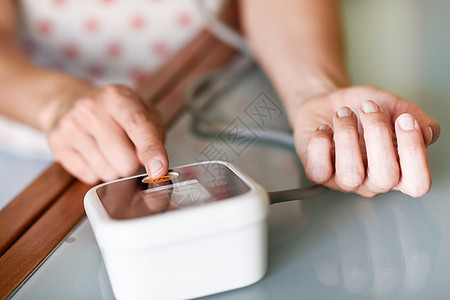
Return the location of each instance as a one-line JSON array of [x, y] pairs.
[[144, 131]]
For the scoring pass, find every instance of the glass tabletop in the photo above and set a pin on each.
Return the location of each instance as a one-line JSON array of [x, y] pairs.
[[333, 246]]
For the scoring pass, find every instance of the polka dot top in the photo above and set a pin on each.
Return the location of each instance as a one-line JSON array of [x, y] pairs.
[[108, 41]]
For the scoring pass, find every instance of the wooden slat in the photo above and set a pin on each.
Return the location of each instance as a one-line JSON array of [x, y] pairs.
[[25, 209], [33, 246]]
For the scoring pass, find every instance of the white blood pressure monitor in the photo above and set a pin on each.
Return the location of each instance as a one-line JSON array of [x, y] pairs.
[[199, 230]]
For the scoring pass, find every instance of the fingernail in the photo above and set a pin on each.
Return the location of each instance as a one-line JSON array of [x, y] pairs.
[[344, 112], [155, 167], [431, 134], [323, 127], [370, 107], [407, 122]]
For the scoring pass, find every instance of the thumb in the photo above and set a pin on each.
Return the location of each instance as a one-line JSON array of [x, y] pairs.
[[429, 127]]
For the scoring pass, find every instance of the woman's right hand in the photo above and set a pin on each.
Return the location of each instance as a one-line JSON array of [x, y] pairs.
[[107, 134]]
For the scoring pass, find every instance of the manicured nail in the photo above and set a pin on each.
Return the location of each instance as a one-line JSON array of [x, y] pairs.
[[370, 107], [323, 127], [155, 167], [431, 134], [344, 112], [407, 122]]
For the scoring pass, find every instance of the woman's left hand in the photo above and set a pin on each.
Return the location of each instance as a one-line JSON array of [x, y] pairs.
[[365, 140]]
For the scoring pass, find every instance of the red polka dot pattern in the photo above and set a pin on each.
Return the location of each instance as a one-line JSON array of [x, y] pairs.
[[71, 51], [184, 19], [91, 25], [138, 76], [44, 27], [114, 41], [59, 3], [160, 48], [138, 22], [95, 72], [114, 50]]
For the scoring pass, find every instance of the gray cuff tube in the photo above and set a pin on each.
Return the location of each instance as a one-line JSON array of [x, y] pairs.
[[296, 194]]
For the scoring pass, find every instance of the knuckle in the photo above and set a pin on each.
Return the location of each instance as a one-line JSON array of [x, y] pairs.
[[319, 142], [377, 128], [137, 119], [386, 182], [317, 174], [157, 123], [88, 178], [153, 147], [64, 119], [113, 90], [411, 149], [82, 174], [98, 163], [116, 92], [318, 165], [350, 180], [347, 123], [57, 140], [120, 100], [128, 168], [346, 131], [74, 166], [102, 168], [85, 104], [108, 176], [66, 123]]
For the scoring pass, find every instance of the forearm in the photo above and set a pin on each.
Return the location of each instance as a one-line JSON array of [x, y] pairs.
[[298, 43], [30, 94], [34, 95]]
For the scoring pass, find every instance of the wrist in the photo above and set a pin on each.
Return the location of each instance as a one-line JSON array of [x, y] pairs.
[[65, 92]]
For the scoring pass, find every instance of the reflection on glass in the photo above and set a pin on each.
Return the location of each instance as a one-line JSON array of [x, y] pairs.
[[175, 196], [378, 248], [195, 185]]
